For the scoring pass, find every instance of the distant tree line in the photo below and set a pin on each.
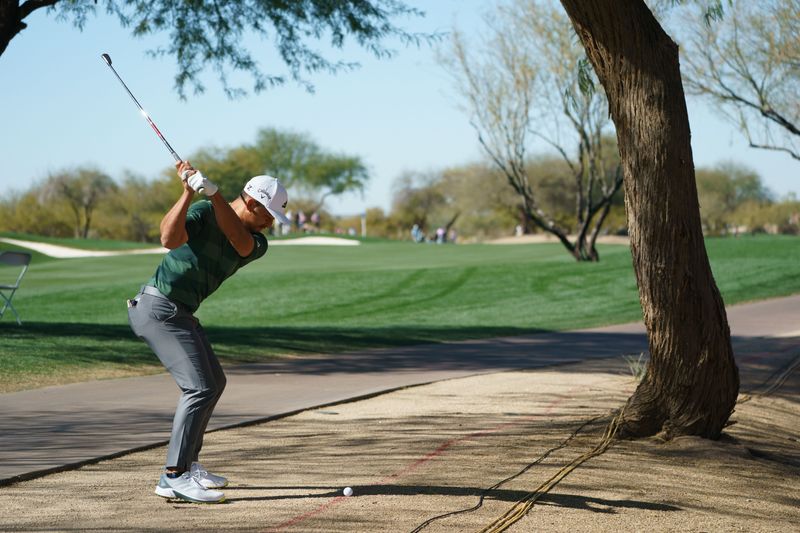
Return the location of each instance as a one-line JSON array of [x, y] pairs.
[[87, 202], [476, 200], [473, 200]]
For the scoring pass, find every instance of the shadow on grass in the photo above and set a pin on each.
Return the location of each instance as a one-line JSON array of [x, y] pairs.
[[347, 349], [325, 349], [77, 342]]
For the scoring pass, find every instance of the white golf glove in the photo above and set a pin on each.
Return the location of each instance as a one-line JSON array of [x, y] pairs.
[[197, 181]]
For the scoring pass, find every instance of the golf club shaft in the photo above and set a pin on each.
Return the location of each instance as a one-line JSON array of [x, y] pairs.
[[107, 60]]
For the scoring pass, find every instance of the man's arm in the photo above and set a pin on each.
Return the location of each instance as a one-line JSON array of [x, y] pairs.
[[231, 225], [173, 225], [229, 222]]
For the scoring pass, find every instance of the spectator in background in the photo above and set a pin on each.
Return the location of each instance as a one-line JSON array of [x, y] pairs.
[[416, 233], [287, 228], [301, 221], [441, 236], [315, 221], [452, 236]]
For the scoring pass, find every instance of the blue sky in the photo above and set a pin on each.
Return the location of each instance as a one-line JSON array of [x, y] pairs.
[[61, 107]]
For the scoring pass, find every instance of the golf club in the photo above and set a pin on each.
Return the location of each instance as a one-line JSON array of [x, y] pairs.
[[107, 59]]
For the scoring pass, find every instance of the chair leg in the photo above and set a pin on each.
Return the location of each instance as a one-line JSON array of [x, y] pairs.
[[8, 305]]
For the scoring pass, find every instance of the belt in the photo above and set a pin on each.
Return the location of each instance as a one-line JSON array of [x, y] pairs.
[[152, 291]]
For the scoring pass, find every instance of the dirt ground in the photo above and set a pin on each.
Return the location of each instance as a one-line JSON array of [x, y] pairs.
[[455, 456]]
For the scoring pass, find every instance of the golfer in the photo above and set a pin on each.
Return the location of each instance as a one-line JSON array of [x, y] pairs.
[[209, 241]]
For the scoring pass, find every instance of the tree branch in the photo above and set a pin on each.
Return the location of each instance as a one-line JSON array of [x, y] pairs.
[[792, 153], [32, 5]]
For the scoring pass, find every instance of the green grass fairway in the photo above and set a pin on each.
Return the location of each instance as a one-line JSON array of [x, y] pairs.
[[303, 299]]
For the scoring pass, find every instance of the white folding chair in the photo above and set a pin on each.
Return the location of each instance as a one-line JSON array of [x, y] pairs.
[[13, 260]]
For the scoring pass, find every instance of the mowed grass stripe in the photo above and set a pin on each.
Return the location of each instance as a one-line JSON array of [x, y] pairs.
[[357, 303], [331, 299]]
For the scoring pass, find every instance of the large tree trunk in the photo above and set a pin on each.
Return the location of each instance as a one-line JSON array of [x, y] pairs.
[[10, 22], [11, 16], [692, 381]]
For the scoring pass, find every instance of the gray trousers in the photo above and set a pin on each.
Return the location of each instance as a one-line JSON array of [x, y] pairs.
[[178, 339]]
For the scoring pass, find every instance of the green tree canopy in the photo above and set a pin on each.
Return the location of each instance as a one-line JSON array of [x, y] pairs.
[[294, 158], [211, 35], [134, 211], [723, 190]]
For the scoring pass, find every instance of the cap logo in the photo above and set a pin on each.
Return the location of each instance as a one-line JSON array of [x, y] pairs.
[[265, 193], [284, 204]]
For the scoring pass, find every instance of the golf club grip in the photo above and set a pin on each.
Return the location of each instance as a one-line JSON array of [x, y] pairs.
[[185, 177]]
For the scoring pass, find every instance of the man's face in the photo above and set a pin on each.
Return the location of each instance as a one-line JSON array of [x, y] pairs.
[[258, 218]]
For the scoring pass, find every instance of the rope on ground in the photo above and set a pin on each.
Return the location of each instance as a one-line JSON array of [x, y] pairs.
[[499, 484], [774, 382], [522, 507]]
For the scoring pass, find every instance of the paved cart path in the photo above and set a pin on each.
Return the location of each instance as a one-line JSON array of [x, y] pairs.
[[52, 428]]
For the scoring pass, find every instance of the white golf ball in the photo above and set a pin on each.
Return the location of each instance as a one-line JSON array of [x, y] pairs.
[[348, 491]]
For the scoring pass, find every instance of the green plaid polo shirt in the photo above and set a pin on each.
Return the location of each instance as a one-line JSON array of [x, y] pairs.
[[190, 273]]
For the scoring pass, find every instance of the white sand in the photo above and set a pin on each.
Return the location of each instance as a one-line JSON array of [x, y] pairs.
[[62, 252]]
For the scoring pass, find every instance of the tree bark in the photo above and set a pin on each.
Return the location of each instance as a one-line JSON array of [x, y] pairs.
[[10, 22], [11, 16], [692, 382]]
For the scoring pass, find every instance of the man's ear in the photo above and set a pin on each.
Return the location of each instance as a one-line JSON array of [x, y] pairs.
[[251, 203]]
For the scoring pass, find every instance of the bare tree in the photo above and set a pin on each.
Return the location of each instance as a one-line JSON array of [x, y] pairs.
[[82, 189], [692, 382], [747, 63], [416, 197], [529, 83]]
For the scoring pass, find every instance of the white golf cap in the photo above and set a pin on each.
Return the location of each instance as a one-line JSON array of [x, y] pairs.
[[269, 192]]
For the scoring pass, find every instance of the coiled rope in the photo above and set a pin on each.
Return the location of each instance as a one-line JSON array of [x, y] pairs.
[[521, 508], [499, 484]]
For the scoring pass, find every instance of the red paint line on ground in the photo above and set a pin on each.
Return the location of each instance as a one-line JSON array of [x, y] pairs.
[[422, 460], [448, 444], [441, 449], [299, 518]]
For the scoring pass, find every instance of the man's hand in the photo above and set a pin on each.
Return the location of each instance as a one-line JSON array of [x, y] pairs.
[[201, 184], [193, 180]]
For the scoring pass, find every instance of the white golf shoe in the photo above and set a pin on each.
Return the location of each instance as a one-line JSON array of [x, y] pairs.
[[206, 478], [187, 487]]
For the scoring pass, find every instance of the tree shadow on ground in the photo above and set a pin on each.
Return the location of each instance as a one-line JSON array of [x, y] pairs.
[[329, 349], [348, 349], [572, 501]]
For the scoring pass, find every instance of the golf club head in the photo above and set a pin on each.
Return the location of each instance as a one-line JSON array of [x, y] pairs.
[[106, 58]]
